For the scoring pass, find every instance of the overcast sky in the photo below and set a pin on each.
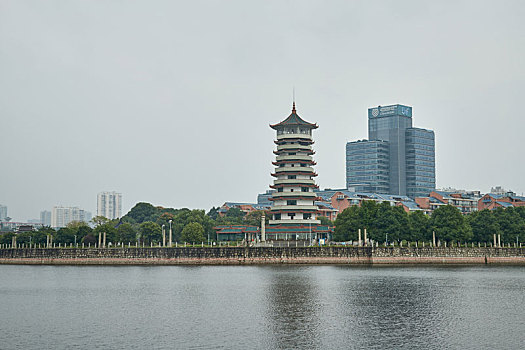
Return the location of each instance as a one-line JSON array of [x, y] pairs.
[[169, 102]]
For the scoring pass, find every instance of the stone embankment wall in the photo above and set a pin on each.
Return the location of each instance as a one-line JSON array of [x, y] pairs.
[[261, 255]]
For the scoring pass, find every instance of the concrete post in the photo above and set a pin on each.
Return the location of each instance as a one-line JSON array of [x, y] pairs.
[[366, 239], [263, 228], [104, 241], [170, 242], [495, 244], [433, 239], [445, 244], [359, 240], [163, 236], [99, 239], [499, 240]]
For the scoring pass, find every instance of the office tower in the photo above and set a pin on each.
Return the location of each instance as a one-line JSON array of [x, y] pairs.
[[109, 205], [409, 153]]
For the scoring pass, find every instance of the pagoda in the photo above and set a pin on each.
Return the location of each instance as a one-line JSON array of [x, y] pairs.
[[294, 212]]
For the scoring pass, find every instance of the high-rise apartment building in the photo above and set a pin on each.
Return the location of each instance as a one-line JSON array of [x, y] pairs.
[[45, 218], [109, 205], [61, 216], [3, 212], [396, 159]]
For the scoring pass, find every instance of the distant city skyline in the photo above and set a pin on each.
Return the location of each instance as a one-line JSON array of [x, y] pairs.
[[175, 111]]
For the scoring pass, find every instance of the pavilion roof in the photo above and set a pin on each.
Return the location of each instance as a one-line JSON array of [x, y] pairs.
[[292, 120]]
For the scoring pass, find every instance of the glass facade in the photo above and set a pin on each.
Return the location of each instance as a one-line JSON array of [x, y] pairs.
[[367, 166], [420, 162], [390, 126], [396, 159]]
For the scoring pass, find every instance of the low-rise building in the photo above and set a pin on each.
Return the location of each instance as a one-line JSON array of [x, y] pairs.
[[496, 200], [340, 199], [244, 207]]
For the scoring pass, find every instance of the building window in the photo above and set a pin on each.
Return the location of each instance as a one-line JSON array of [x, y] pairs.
[[292, 176], [280, 189], [277, 216], [291, 215], [305, 189], [291, 202], [307, 216]]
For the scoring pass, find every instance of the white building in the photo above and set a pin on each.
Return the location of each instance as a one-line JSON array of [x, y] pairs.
[[109, 205], [61, 216]]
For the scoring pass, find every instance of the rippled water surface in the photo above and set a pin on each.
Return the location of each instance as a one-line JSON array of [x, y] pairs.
[[261, 307]]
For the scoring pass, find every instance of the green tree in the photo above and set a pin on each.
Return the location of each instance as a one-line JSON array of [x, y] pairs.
[[483, 225], [450, 225], [510, 223], [347, 223], [213, 213], [82, 232], [193, 232], [325, 221], [99, 220], [150, 232], [40, 236], [419, 226], [142, 212], [109, 229], [6, 237], [126, 233], [253, 218], [65, 235]]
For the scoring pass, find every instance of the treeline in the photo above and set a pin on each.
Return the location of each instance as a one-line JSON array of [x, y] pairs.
[[143, 223], [384, 221]]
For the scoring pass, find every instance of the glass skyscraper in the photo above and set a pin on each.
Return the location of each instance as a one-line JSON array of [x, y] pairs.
[[367, 166], [420, 162], [396, 159]]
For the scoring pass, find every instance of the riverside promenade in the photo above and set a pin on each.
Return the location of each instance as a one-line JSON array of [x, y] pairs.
[[262, 255]]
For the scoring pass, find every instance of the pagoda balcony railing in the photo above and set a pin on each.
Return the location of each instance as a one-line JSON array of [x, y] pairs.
[[297, 182], [299, 194], [299, 157], [293, 146], [305, 222], [291, 208], [294, 136], [301, 169]]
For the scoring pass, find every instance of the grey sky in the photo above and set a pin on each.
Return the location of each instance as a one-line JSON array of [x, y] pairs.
[[169, 102]]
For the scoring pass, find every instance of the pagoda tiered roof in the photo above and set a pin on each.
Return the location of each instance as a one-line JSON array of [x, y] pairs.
[[293, 120]]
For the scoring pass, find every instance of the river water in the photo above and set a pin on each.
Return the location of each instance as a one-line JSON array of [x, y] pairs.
[[261, 307]]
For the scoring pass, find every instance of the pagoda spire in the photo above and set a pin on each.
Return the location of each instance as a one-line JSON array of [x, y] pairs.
[[293, 108]]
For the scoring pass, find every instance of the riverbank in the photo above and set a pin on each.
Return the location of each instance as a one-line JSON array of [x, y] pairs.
[[261, 255]]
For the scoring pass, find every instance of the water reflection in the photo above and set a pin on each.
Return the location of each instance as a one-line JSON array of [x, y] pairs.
[[262, 307], [293, 303]]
